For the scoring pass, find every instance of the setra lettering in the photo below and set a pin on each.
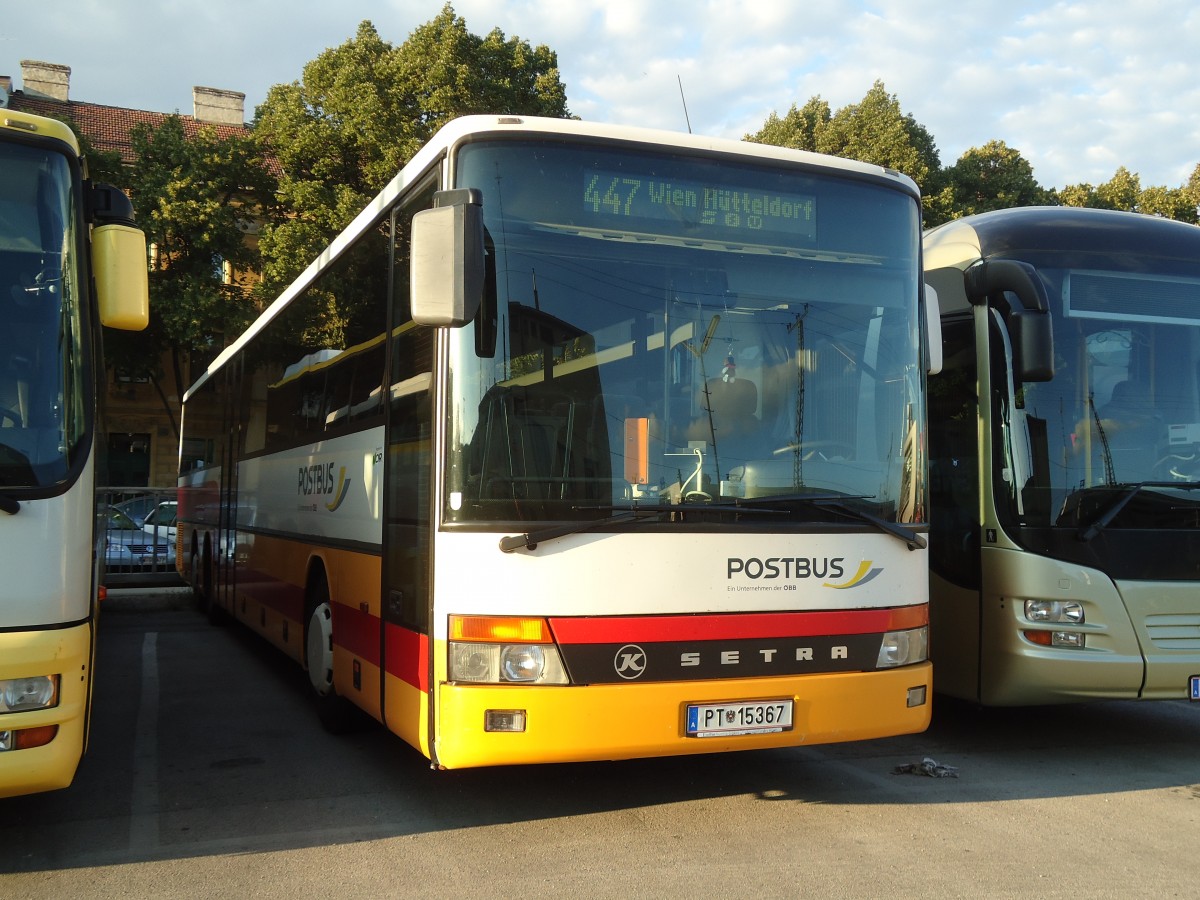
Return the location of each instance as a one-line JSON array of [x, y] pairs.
[[692, 659]]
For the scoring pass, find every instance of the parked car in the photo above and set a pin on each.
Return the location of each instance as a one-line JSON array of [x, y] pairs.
[[137, 508], [128, 548], [161, 520]]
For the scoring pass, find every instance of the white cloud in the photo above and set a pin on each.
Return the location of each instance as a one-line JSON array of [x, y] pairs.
[[1079, 88]]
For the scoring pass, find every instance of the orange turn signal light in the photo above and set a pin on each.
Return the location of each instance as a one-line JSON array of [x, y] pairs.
[[500, 630], [27, 738]]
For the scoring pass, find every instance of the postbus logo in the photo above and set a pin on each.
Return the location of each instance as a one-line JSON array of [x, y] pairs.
[[830, 571], [319, 480], [866, 572]]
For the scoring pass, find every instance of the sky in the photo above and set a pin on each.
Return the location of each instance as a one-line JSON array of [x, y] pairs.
[[1078, 88]]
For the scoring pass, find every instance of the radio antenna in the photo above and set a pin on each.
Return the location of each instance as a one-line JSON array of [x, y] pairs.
[[684, 99]]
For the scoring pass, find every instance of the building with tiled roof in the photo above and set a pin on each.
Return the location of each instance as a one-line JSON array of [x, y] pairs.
[[45, 91]]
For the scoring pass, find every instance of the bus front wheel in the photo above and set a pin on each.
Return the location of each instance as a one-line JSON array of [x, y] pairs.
[[335, 712]]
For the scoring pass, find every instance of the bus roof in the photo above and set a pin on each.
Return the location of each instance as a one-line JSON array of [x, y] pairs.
[[27, 123], [1066, 229], [475, 128]]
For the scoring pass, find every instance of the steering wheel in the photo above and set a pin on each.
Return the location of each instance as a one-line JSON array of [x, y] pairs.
[[10, 415], [1177, 467], [808, 448]]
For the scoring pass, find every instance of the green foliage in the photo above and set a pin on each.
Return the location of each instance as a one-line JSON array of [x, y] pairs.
[[190, 196], [874, 130], [799, 129], [1124, 191], [363, 109], [993, 176]]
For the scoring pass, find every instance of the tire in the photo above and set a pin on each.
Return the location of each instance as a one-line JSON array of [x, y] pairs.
[[199, 597], [202, 588], [336, 714]]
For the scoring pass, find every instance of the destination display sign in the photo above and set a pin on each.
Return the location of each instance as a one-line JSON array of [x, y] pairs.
[[698, 208]]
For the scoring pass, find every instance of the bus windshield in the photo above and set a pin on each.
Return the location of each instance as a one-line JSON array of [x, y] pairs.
[[673, 330], [1120, 421], [43, 416]]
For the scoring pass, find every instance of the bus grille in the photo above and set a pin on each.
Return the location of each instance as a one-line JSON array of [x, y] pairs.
[[1175, 632]]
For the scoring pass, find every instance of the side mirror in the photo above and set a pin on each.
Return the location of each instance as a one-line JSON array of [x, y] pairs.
[[933, 331], [1033, 345], [991, 277], [122, 283], [119, 267], [448, 271], [999, 281]]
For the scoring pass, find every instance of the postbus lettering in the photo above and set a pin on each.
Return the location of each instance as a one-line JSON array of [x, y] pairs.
[[785, 567], [317, 479]]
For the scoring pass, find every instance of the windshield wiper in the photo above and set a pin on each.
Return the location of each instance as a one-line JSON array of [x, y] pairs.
[[1087, 532], [624, 514], [531, 539], [836, 503]]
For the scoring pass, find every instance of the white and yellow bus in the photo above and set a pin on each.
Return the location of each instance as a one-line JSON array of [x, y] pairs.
[[1065, 458], [585, 442], [70, 261]]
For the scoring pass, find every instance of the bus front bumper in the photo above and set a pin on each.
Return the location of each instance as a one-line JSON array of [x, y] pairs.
[[64, 652], [611, 722]]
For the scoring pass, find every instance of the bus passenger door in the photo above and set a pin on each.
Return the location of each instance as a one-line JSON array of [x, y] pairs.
[[408, 512], [954, 539], [225, 548]]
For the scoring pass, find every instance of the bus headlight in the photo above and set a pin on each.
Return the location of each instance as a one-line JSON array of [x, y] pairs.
[[503, 650], [23, 694], [524, 663], [506, 663], [1066, 612], [903, 648]]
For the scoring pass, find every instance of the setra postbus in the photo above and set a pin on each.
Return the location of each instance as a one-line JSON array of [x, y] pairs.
[[585, 442]]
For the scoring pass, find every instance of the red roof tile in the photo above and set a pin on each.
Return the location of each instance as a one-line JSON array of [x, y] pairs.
[[108, 127]]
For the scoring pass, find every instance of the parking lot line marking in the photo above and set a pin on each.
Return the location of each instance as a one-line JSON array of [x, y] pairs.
[[143, 828]]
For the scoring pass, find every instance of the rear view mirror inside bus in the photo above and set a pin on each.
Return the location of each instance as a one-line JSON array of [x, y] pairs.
[[447, 277]]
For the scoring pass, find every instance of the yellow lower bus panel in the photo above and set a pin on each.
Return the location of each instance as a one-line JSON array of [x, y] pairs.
[[67, 653], [609, 722]]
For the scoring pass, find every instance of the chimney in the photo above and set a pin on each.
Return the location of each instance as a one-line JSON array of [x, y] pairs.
[[218, 107], [49, 81]]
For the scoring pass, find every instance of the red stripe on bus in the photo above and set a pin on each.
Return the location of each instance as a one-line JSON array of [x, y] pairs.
[[733, 626], [283, 597], [357, 632], [407, 655]]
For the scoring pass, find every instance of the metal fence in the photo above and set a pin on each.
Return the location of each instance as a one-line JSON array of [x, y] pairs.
[[139, 539]]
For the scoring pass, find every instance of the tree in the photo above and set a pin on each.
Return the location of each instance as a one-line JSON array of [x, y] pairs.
[[1124, 191], [1170, 203], [1121, 191], [1191, 191], [994, 176], [363, 109], [874, 131], [190, 196], [799, 129], [1082, 194]]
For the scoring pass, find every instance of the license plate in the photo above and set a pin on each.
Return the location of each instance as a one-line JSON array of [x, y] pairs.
[[738, 717], [1194, 687]]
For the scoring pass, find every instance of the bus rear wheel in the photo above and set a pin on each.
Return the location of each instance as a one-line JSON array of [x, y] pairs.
[[202, 586]]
